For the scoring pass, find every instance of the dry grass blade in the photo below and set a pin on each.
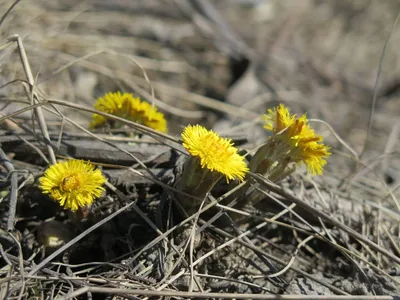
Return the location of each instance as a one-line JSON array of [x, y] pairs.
[[276, 189], [217, 295], [13, 190], [128, 79], [30, 90], [376, 87]]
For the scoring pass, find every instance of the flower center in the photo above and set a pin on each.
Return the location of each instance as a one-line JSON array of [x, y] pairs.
[[216, 148], [70, 183]]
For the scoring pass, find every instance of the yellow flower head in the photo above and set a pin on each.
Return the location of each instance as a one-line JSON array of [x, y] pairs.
[[296, 132], [130, 108], [215, 153], [74, 183]]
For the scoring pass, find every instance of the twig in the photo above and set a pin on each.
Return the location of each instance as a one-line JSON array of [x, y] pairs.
[[13, 189], [186, 295], [78, 238], [22, 281], [127, 78], [340, 140], [278, 190], [240, 235], [31, 93], [164, 88], [147, 130], [377, 82], [151, 224], [8, 11], [72, 242]]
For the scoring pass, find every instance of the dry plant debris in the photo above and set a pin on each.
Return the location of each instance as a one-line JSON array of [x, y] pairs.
[[151, 215]]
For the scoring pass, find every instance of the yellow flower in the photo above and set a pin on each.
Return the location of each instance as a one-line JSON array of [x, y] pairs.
[[74, 183], [130, 108], [215, 153], [303, 143]]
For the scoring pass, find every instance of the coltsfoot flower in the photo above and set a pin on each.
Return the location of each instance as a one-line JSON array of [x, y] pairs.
[[214, 153], [128, 107], [211, 158], [293, 141], [298, 142], [73, 183]]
